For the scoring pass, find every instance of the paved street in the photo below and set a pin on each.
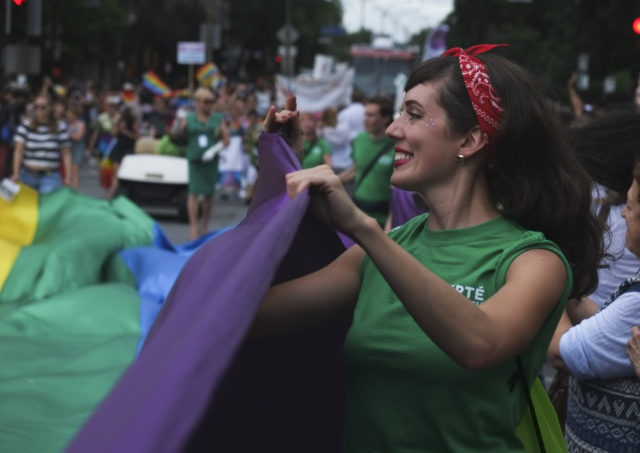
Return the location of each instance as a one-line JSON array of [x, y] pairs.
[[225, 212]]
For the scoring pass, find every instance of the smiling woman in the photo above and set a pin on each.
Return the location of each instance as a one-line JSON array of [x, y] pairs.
[[446, 306]]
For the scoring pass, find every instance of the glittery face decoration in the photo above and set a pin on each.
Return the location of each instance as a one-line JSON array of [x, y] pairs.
[[430, 123]]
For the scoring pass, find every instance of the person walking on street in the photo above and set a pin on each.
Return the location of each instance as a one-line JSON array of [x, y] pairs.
[[41, 145], [77, 133], [204, 128], [126, 132]]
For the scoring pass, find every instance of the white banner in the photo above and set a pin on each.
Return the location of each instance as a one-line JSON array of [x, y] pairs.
[[314, 95]]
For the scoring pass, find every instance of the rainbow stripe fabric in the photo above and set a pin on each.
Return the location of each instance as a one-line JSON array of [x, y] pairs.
[[69, 311], [209, 75], [153, 83]]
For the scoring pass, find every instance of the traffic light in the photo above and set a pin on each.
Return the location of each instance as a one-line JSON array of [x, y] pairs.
[[19, 2], [278, 59], [636, 25]]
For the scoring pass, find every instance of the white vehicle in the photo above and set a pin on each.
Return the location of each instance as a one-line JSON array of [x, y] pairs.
[[155, 180]]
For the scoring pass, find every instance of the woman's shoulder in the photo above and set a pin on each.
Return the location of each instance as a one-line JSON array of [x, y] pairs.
[[519, 239]]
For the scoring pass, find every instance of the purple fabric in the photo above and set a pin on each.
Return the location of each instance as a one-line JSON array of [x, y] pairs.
[[404, 206], [189, 390]]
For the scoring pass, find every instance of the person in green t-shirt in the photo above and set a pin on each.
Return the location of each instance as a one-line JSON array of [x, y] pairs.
[[316, 150], [372, 154], [203, 128], [452, 312]]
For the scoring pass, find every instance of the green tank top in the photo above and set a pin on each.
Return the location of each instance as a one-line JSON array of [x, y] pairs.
[[405, 395], [201, 136]]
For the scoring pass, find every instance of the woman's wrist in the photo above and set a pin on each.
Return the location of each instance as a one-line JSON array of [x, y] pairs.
[[365, 228]]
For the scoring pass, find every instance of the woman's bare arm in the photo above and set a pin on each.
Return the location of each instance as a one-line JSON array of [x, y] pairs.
[[322, 296]]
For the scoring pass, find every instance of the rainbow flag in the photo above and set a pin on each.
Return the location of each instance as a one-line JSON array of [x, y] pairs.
[[153, 83], [69, 311], [209, 75]]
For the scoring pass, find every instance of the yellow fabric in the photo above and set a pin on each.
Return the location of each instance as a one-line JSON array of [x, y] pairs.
[[18, 223]]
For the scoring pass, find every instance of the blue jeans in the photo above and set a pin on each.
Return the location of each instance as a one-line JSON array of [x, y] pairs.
[[43, 182]]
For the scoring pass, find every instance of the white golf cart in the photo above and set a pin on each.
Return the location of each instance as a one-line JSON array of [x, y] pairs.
[[154, 180]]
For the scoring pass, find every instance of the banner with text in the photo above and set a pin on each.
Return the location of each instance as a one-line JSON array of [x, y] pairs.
[[314, 95]]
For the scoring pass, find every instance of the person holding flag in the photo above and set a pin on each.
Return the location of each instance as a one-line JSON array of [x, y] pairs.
[[454, 310]]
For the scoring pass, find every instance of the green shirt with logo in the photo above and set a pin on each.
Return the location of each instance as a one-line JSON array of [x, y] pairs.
[[405, 395]]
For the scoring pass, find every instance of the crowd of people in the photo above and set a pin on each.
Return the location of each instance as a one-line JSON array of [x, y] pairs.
[[524, 248]]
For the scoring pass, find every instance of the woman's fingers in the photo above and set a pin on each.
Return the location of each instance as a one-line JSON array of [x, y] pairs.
[[291, 103], [269, 124], [298, 181], [286, 122]]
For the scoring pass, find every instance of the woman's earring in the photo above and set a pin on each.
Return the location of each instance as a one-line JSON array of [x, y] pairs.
[[460, 159]]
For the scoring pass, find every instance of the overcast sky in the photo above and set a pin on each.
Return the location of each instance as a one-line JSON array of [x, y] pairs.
[[400, 18]]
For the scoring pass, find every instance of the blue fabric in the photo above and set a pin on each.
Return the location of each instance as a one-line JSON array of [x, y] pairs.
[[156, 269]]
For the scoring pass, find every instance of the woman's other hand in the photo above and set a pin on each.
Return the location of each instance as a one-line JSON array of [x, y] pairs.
[[286, 122]]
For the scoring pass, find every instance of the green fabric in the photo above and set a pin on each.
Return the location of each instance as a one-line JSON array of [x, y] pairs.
[[314, 152], [76, 243], [197, 129], [203, 177], [67, 333], [403, 390], [547, 420], [168, 148]]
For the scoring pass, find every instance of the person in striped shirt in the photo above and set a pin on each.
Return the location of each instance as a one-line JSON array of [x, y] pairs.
[[42, 144]]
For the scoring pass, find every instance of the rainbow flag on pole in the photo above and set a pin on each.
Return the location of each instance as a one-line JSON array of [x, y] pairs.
[[209, 75], [153, 83]]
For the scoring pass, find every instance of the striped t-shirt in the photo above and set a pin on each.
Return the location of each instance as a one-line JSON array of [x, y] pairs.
[[41, 146]]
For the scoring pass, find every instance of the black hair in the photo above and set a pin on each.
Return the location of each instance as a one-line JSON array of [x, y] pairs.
[[607, 147]]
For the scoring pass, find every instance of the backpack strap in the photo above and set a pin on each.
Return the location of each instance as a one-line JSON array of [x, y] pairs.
[[366, 171]]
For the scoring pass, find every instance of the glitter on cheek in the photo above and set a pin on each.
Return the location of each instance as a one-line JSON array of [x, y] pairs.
[[431, 122]]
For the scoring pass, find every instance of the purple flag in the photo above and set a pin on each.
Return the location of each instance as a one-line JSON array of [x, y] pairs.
[[404, 206], [198, 384]]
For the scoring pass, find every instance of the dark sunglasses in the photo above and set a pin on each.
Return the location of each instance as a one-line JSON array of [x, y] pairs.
[[40, 106], [206, 101]]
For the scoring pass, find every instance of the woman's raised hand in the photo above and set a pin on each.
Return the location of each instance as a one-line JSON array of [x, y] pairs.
[[329, 200], [286, 122]]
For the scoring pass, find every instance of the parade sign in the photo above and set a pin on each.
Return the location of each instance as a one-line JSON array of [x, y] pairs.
[[191, 52]]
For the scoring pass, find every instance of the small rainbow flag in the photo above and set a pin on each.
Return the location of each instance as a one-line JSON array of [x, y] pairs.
[[153, 83], [209, 75]]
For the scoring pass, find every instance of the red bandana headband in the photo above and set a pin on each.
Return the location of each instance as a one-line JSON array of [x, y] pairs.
[[486, 103]]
